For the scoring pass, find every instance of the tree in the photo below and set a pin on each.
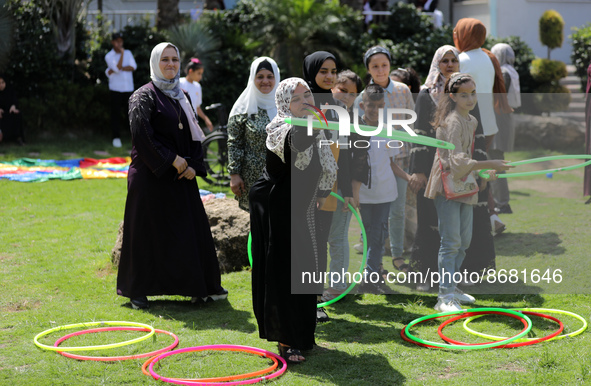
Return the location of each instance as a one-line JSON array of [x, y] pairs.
[[168, 14], [551, 28], [6, 24], [63, 15]]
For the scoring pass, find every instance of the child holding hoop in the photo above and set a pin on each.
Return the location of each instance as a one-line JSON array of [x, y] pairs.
[[454, 124]]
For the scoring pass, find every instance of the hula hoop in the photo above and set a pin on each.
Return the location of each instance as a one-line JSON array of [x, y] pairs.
[[525, 331], [363, 259], [483, 173], [510, 345], [222, 347], [396, 134], [229, 378], [120, 358], [249, 248], [548, 310], [403, 332], [89, 324]]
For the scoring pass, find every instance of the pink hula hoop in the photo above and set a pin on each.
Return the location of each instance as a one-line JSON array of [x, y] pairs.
[[223, 347], [120, 358]]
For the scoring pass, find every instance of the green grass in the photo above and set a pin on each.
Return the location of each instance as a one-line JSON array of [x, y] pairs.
[[55, 269]]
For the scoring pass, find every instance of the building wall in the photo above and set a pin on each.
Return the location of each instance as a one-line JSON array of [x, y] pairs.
[[520, 17]]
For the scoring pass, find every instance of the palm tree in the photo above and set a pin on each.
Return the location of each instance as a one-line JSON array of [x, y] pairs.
[[193, 39], [63, 15]]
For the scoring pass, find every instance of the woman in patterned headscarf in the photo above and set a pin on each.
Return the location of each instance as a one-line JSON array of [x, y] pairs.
[[283, 205]]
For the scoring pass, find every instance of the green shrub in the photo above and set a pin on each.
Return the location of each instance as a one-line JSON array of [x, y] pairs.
[[547, 71], [6, 28], [552, 97], [581, 56], [551, 28], [411, 37]]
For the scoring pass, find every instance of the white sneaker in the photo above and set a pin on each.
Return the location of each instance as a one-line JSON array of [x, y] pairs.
[[116, 142], [447, 305], [463, 298]]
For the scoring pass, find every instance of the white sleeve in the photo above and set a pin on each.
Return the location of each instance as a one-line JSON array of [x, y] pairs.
[[112, 61], [132, 62]]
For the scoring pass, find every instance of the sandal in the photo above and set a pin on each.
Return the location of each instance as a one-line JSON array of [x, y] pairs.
[[288, 352], [402, 267]]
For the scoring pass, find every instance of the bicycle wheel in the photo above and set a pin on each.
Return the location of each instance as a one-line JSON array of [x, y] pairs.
[[215, 157]]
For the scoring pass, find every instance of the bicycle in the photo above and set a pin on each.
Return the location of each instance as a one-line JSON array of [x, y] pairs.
[[215, 149]]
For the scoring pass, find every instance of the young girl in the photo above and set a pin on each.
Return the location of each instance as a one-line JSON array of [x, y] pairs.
[[190, 84], [454, 124]]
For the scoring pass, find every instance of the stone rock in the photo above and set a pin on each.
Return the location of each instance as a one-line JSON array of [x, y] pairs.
[[552, 133], [230, 226], [116, 251]]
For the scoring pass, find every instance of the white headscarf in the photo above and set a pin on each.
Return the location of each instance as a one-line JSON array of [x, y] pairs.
[[278, 130], [251, 98], [172, 89], [435, 81], [506, 56]]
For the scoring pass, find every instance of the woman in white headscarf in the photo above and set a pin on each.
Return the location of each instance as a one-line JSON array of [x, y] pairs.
[[252, 112], [299, 171], [167, 244]]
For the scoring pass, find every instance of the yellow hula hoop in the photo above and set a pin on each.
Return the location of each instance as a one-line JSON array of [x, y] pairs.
[[90, 324], [545, 310]]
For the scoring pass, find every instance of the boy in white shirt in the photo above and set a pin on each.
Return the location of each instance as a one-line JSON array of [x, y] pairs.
[[120, 67], [190, 84], [376, 199]]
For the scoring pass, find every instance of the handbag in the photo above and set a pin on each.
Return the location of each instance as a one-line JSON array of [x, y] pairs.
[[464, 187]]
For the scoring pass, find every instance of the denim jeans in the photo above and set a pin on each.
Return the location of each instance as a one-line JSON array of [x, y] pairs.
[[375, 222], [396, 218], [338, 241], [455, 229]]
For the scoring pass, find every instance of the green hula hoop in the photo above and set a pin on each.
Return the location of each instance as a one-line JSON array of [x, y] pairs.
[[90, 324], [396, 134], [363, 260], [483, 173], [545, 310], [460, 347]]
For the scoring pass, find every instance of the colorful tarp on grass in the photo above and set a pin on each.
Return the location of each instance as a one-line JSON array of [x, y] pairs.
[[38, 170]]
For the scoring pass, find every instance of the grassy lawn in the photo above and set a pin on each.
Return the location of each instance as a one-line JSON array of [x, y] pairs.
[[55, 269]]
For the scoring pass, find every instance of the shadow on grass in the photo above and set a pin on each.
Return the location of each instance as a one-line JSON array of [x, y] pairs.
[[528, 244], [202, 316], [340, 368]]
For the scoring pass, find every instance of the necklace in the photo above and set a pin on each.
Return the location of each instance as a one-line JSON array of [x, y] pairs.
[[178, 114]]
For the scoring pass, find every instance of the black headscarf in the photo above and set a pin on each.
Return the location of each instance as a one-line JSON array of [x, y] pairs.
[[313, 64]]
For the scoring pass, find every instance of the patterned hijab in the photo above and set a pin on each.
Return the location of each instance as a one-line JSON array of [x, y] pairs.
[[470, 34], [436, 80], [172, 89], [251, 98], [278, 130]]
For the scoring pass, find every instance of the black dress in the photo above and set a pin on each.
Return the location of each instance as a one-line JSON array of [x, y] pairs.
[[11, 124], [167, 244], [481, 253], [284, 245]]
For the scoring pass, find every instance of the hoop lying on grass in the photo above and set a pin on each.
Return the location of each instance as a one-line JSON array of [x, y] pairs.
[[547, 310], [483, 173], [222, 347], [90, 324], [119, 358], [426, 343]]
